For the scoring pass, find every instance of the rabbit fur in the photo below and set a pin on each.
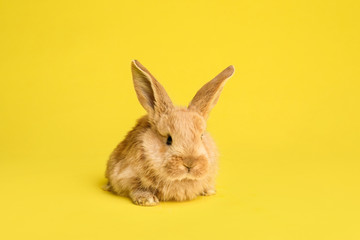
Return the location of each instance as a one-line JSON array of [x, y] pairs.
[[168, 155]]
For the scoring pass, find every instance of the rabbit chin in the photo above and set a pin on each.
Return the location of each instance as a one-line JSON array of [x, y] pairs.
[[182, 177]]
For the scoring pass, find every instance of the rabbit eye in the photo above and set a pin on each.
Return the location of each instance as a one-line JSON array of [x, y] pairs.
[[202, 135], [169, 140]]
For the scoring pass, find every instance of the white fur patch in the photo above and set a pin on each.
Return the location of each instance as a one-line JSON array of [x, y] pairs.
[[126, 173]]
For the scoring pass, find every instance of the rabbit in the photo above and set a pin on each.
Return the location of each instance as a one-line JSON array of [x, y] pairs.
[[168, 155]]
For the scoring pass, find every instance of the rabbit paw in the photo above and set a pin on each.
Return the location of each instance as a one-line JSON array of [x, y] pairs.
[[106, 187], [144, 198], [208, 192]]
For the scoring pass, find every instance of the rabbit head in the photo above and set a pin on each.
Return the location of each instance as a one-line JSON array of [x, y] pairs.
[[177, 144]]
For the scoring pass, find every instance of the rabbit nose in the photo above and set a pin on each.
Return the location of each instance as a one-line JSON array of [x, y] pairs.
[[187, 167], [188, 162]]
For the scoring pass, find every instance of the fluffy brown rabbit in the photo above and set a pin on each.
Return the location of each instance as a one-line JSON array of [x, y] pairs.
[[168, 155]]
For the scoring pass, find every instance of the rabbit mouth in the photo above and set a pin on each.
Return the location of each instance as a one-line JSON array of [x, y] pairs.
[[186, 173], [179, 168]]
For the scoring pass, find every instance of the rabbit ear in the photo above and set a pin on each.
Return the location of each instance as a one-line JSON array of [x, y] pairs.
[[150, 93], [206, 98]]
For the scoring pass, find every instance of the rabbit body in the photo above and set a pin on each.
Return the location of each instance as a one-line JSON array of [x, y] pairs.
[[168, 155]]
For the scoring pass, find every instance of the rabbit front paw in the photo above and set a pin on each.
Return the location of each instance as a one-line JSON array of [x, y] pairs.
[[144, 198], [208, 192]]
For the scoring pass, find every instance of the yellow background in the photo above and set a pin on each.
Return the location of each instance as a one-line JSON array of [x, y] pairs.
[[287, 123]]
